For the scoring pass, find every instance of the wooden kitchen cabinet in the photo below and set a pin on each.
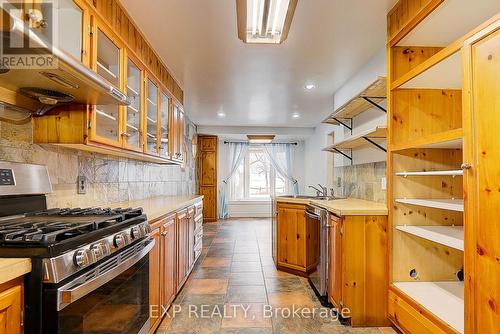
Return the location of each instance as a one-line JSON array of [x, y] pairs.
[[178, 124], [168, 251], [11, 307], [295, 239], [358, 268], [207, 175], [182, 232]]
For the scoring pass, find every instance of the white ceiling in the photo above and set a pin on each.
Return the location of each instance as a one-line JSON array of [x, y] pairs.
[[261, 85]]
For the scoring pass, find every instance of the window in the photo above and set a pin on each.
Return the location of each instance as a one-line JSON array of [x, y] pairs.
[[256, 179]]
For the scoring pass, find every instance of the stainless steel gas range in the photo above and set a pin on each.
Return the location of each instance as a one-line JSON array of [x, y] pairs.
[[90, 266]]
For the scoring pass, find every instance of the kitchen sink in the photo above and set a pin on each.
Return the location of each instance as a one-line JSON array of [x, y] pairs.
[[325, 198]]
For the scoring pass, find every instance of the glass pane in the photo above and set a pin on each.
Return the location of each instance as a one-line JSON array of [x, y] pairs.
[[134, 109], [164, 125], [152, 117], [67, 18], [108, 59], [107, 122], [259, 175], [237, 190]]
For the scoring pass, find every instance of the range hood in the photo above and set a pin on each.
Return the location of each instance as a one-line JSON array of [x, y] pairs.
[[68, 82]]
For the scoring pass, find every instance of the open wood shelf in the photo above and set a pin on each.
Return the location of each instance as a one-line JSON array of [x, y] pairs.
[[444, 204], [375, 92], [452, 139], [377, 133], [459, 21], [457, 172], [443, 299], [451, 236]]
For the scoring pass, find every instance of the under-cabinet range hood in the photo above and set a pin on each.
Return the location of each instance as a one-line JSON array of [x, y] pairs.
[[69, 81]]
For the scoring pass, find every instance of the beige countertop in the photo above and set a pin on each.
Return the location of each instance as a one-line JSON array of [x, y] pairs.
[[159, 207], [343, 207], [13, 268]]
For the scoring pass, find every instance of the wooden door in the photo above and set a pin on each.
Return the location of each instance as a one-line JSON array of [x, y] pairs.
[[155, 279], [209, 202], [169, 255], [481, 152], [207, 155], [208, 172], [10, 310], [292, 236], [335, 261]]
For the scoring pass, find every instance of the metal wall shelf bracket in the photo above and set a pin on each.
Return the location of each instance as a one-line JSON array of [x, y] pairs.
[[376, 105], [375, 144], [345, 124], [344, 154]]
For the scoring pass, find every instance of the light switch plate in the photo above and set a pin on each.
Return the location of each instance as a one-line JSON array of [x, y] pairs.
[[82, 185]]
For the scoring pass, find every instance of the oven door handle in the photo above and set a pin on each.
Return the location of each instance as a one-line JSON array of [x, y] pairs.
[[73, 291], [312, 215]]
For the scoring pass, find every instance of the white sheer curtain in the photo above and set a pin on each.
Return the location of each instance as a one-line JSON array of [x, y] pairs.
[[237, 152], [282, 163]]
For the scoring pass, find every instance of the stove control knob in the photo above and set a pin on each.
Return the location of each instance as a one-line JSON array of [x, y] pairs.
[[147, 228], [80, 258], [97, 251], [119, 241], [135, 232]]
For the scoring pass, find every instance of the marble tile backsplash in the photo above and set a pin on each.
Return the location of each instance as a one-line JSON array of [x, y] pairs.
[[109, 179], [361, 181]]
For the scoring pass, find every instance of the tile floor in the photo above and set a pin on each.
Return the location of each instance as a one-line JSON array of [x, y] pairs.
[[235, 280]]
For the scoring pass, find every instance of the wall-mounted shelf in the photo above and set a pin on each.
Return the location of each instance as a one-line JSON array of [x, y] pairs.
[[444, 204], [374, 136], [443, 299], [451, 236], [452, 139], [457, 172], [368, 98]]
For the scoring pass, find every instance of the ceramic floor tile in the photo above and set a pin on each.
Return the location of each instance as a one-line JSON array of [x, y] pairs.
[[246, 278], [246, 294], [247, 315], [245, 266], [216, 262], [201, 286]]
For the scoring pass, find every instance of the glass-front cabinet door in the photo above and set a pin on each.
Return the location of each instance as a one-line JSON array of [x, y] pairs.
[[178, 135], [62, 23], [152, 118], [164, 125], [133, 114], [107, 62]]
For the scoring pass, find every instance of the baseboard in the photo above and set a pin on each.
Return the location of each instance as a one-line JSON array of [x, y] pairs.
[[250, 215]]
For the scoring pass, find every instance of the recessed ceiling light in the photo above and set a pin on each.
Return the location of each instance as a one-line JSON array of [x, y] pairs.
[[221, 114], [310, 86], [296, 115]]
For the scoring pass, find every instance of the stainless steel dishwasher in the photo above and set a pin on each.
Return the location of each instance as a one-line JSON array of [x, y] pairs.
[[318, 277]]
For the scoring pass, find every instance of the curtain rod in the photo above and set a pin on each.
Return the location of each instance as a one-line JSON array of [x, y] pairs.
[[245, 141]]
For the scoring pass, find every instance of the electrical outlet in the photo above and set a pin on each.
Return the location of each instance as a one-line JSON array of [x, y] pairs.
[[383, 183], [82, 185]]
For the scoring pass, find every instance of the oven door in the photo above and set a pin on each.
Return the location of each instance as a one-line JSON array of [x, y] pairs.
[[112, 297]]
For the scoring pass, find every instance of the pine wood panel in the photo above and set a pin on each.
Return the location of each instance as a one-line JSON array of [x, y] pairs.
[[119, 21], [292, 236], [208, 170], [209, 203], [417, 113], [335, 263], [482, 118], [11, 306], [406, 58], [365, 269], [182, 241], [208, 143], [405, 15], [168, 262]]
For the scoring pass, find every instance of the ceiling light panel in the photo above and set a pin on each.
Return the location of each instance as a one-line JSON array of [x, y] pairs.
[[264, 21]]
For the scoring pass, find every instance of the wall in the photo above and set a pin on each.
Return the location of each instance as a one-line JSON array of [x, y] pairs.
[[110, 179], [326, 168], [256, 208]]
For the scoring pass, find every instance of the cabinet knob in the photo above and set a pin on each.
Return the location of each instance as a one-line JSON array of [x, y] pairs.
[[465, 166]]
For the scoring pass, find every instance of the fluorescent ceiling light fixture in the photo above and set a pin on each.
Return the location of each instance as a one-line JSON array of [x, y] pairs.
[[260, 139], [310, 86], [264, 21], [295, 115]]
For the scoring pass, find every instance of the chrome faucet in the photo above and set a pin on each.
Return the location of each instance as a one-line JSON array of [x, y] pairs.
[[323, 191]]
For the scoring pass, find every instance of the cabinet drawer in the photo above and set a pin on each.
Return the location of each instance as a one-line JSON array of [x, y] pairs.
[[410, 319]]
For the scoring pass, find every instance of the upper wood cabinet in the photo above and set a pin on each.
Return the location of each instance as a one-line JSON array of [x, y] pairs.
[[207, 175], [151, 128]]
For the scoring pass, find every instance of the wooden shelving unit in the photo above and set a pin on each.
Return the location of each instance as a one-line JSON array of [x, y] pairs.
[[378, 133], [451, 236], [443, 204], [443, 299], [430, 88], [368, 98]]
